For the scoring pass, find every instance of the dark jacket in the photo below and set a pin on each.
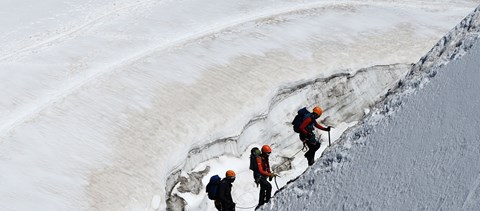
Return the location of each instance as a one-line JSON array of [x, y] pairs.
[[224, 195]]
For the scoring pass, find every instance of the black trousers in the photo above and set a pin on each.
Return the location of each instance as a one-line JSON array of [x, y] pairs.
[[220, 207], [313, 146], [265, 191], [310, 154]]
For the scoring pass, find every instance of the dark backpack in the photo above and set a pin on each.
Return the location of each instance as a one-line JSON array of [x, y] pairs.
[[302, 114], [253, 162], [212, 187]]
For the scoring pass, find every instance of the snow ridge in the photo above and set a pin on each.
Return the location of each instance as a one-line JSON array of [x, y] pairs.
[[451, 47]]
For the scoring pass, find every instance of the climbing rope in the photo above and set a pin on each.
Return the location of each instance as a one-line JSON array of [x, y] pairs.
[[304, 149], [275, 178], [245, 207]]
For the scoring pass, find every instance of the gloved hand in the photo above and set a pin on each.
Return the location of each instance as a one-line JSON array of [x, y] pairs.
[[272, 175], [328, 128]]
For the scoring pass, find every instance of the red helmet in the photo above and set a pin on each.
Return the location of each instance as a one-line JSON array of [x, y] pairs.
[[317, 110], [266, 149]]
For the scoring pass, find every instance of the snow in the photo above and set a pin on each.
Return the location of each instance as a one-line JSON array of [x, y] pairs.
[[419, 154], [108, 105]]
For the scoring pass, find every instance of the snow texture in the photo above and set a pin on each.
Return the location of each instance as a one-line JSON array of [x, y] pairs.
[[418, 150], [131, 105]]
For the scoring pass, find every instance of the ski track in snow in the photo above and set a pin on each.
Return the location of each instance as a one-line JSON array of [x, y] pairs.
[[72, 87], [65, 91], [218, 28], [70, 32]]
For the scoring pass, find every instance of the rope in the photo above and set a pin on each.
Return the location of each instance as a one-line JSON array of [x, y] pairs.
[[239, 207], [245, 207], [275, 178], [304, 149]]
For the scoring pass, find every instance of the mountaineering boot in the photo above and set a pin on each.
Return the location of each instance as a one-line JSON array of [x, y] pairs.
[[310, 161], [309, 158]]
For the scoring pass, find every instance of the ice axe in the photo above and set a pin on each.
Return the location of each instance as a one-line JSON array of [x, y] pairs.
[[330, 127], [329, 135], [329, 138]]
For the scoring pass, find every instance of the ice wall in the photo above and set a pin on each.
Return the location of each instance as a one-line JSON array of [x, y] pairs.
[[345, 97], [416, 150]]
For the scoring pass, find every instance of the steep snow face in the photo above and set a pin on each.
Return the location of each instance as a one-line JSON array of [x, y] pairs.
[[102, 101], [419, 149], [345, 97]]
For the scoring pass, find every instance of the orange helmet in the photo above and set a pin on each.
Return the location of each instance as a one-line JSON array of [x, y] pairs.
[[266, 149], [230, 174], [317, 110]]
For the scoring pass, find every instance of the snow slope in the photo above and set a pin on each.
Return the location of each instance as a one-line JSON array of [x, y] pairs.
[[109, 105], [418, 150]]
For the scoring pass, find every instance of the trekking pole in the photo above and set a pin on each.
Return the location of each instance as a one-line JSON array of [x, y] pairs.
[[329, 138]]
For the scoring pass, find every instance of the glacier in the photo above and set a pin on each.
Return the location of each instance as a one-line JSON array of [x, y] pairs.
[[131, 105], [418, 149]]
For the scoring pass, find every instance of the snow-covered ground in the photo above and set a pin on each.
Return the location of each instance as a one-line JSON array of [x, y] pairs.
[[418, 150], [121, 105]]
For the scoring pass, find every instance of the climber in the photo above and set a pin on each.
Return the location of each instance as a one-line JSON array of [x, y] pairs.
[[303, 124], [264, 170], [224, 201]]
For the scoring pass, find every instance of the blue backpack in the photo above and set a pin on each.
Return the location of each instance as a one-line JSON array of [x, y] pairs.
[[302, 114], [212, 187]]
